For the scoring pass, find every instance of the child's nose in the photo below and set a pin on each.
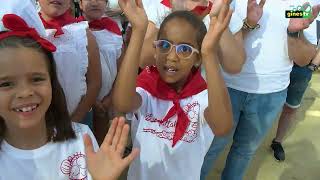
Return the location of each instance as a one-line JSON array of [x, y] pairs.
[[24, 90], [172, 55]]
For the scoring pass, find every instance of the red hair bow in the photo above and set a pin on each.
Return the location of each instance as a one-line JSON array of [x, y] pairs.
[[18, 27]]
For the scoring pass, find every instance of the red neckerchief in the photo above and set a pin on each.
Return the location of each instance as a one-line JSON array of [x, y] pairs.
[[58, 22], [198, 10], [151, 81], [166, 3], [103, 23], [18, 27]]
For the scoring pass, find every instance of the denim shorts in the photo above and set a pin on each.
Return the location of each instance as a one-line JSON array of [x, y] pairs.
[[299, 80]]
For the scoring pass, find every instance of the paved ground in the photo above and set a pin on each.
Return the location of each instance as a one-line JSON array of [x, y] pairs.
[[302, 146]]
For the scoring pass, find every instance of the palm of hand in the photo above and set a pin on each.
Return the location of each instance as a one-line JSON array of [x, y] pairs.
[[254, 13], [108, 163], [213, 35], [217, 26], [104, 161], [298, 24], [134, 11]]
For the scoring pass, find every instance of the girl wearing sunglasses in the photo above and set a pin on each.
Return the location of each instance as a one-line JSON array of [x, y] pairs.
[[231, 52], [174, 113]]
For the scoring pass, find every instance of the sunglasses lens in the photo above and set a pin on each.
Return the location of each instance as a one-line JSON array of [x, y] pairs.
[[163, 46], [184, 51]]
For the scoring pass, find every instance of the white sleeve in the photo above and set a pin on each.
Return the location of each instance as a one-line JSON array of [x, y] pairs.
[[311, 33], [150, 9], [156, 12], [235, 23], [236, 20], [81, 129], [240, 8], [142, 109]]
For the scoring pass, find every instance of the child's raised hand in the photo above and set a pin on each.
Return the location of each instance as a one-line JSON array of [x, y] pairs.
[[218, 25], [134, 11], [254, 11], [299, 24], [108, 163]]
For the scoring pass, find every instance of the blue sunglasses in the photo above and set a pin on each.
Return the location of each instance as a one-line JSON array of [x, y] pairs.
[[183, 51]]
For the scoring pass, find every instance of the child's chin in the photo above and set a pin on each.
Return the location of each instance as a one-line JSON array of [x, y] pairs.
[[29, 123], [170, 80], [56, 12]]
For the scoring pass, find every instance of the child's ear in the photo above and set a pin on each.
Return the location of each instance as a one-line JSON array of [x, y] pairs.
[[197, 65], [198, 62]]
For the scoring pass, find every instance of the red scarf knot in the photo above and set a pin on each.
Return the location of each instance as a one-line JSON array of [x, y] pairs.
[[58, 22], [18, 27], [198, 10], [166, 3], [104, 23], [151, 81]]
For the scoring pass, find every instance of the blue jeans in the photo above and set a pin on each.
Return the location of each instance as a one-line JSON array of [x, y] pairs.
[[299, 81], [253, 116]]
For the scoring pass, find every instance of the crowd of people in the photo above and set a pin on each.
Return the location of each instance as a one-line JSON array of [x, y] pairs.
[[183, 77]]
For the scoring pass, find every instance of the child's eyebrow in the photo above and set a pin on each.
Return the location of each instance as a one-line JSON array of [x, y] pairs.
[[38, 74], [186, 43], [3, 78], [177, 43]]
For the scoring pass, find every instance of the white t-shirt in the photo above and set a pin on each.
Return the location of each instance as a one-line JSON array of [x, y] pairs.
[[156, 13], [157, 158], [110, 45], [53, 161], [267, 67], [71, 58], [148, 3]]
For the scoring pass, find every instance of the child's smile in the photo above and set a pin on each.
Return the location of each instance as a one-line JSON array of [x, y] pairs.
[[26, 110], [56, 3], [25, 87]]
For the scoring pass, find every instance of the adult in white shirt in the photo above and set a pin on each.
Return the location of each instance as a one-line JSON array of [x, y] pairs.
[[299, 81], [231, 51], [259, 91]]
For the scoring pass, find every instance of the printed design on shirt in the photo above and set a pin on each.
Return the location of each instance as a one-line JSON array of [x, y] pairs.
[[166, 130], [75, 167]]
